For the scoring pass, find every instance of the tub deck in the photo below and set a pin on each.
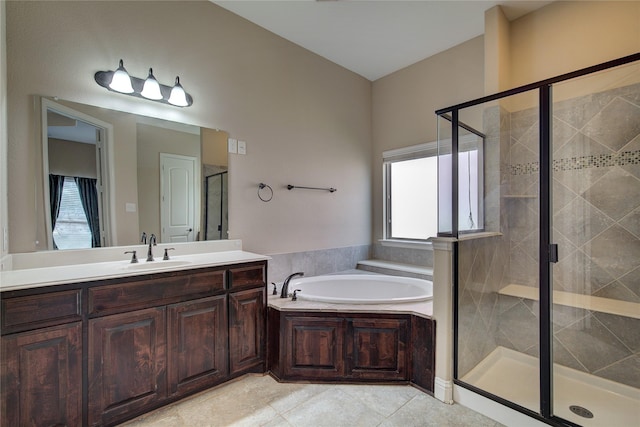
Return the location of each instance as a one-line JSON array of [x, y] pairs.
[[420, 308]]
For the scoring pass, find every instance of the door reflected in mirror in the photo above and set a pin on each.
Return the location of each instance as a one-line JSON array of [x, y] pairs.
[[108, 176]]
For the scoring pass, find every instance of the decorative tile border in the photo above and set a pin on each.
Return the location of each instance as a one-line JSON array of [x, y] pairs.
[[579, 163]]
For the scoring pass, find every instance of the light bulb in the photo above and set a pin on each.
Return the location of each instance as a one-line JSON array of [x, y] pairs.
[[151, 88], [121, 82], [178, 95]]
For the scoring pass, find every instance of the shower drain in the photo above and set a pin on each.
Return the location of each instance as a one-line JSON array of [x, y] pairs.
[[579, 410]]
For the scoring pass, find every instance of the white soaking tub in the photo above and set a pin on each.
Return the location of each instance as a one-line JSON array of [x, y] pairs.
[[361, 289]]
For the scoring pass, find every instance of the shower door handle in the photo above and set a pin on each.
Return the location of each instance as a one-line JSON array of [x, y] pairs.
[[553, 253]]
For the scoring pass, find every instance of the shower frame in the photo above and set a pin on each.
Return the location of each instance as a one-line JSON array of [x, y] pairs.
[[222, 175], [547, 249]]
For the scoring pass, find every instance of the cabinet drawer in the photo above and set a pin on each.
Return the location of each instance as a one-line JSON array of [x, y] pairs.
[[154, 291], [248, 275], [37, 311]]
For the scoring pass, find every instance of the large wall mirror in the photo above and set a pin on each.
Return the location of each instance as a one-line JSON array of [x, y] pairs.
[[109, 176]]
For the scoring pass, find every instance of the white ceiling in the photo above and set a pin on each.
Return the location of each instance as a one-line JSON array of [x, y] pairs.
[[375, 38]]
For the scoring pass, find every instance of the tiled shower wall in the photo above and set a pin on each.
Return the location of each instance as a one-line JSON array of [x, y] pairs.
[[596, 189]]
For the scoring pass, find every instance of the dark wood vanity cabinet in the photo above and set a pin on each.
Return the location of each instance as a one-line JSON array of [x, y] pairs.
[[342, 347], [351, 347], [197, 344], [247, 338], [127, 364], [41, 359], [247, 319], [42, 377], [147, 340]]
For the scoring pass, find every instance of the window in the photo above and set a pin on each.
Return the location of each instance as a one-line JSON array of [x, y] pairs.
[[72, 230], [411, 190]]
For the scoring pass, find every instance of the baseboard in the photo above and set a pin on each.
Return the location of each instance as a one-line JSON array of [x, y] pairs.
[[443, 390]]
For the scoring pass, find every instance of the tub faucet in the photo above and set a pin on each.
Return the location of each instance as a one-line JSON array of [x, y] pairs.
[[152, 241], [285, 285]]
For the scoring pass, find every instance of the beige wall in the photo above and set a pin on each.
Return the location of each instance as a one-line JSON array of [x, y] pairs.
[[306, 121], [569, 35], [405, 101], [214, 147], [4, 235]]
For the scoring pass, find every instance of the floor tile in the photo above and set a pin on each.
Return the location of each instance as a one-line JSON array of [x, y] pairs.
[[257, 400], [332, 408]]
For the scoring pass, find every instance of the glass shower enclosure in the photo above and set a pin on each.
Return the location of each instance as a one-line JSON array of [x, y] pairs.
[[547, 290], [216, 214]]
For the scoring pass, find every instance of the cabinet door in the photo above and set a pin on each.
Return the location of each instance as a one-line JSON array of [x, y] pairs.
[[127, 358], [197, 344], [41, 375], [247, 330], [313, 347], [377, 349]]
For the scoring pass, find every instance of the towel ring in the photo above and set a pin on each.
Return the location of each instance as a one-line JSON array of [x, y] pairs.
[[268, 198]]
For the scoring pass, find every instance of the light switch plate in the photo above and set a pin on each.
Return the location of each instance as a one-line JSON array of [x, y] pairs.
[[242, 147], [130, 207], [233, 145]]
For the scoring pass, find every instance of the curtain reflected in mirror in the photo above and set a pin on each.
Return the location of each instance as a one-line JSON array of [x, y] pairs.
[[75, 218]]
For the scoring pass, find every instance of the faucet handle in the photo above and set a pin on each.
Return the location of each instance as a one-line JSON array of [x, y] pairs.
[[295, 297], [275, 291], [166, 254], [134, 258]]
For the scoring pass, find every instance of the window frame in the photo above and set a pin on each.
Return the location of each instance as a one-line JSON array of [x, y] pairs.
[[429, 149], [69, 181]]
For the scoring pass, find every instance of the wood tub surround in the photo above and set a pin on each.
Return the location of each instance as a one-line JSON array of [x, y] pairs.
[[352, 347], [102, 352]]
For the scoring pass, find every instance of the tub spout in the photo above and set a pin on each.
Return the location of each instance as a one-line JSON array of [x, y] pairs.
[[285, 285]]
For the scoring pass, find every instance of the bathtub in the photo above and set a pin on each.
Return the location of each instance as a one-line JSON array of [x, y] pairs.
[[362, 289]]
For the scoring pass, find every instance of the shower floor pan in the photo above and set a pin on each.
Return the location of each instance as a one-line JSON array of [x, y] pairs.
[[514, 376]]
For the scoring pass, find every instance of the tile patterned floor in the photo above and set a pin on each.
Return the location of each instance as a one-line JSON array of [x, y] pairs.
[[256, 400]]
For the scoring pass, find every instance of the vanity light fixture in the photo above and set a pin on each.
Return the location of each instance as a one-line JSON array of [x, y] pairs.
[[151, 87], [120, 81], [178, 95]]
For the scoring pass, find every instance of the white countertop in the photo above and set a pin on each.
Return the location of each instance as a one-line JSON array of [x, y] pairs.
[[421, 308], [57, 275]]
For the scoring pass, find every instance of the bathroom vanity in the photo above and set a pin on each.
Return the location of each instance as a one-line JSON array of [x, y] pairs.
[[98, 352]]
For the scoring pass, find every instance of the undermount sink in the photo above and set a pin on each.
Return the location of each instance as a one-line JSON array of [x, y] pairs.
[[155, 265]]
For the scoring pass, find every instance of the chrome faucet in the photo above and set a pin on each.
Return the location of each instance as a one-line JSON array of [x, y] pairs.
[[285, 286], [143, 238], [152, 241]]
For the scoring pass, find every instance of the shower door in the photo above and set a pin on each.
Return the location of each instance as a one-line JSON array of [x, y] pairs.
[[497, 329], [216, 207], [596, 224]]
